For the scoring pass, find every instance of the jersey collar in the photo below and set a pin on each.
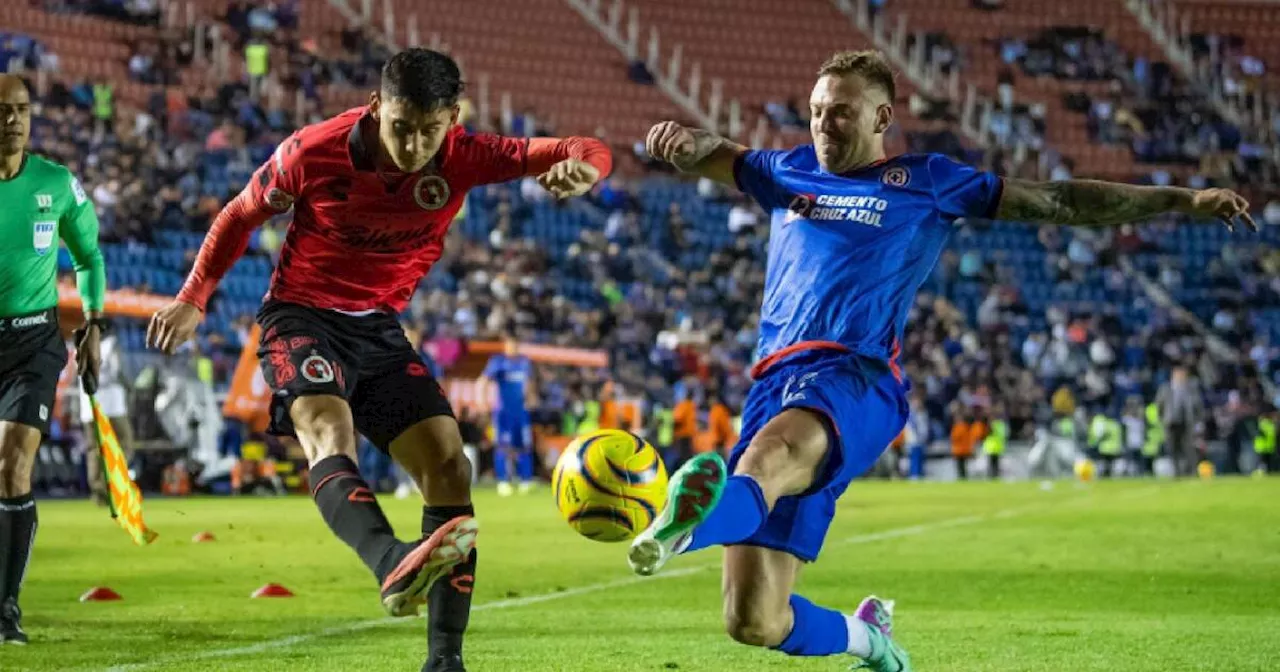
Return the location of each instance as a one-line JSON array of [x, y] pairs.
[[21, 166], [874, 164], [361, 158]]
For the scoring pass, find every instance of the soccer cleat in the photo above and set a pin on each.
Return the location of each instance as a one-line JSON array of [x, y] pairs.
[[886, 656], [445, 662], [524, 488], [405, 589], [692, 494], [11, 624], [505, 489]]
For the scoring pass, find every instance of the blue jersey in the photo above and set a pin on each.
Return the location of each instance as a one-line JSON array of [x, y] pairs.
[[847, 253], [511, 375]]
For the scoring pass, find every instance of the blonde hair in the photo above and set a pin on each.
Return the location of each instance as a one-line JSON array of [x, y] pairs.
[[868, 64]]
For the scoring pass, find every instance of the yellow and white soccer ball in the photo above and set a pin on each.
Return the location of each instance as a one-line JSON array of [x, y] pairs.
[[609, 485]]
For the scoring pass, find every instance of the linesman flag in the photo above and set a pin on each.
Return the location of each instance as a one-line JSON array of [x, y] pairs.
[[126, 501]]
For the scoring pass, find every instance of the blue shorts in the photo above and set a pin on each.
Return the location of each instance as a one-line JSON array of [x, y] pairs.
[[864, 406], [514, 430]]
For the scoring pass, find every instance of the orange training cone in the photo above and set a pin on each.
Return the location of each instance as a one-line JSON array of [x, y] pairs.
[[272, 590], [100, 594]]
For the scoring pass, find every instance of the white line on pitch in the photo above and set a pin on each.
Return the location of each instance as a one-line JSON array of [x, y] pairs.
[[285, 642]]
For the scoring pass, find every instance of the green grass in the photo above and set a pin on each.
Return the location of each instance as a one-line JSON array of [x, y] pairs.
[[1132, 576]]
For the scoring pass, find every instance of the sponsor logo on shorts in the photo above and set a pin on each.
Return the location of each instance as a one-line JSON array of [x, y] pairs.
[[44, 412], [317, 369], [431, 192]]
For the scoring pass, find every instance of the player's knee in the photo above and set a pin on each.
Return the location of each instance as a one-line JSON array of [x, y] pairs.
[[769, 460], [324, 426], [18, 448], [754, 628], [449, 459], [432, 451], [784, 459]]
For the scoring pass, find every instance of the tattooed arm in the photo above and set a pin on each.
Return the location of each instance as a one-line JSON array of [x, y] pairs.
[[1095, 203], [693, 150]]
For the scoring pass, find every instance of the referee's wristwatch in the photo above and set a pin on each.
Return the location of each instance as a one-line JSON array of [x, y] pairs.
[[100, 322]]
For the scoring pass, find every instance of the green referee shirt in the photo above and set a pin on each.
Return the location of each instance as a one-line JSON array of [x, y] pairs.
[[44, 202]]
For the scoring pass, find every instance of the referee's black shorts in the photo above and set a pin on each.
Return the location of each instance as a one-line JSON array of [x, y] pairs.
[[32, 356]]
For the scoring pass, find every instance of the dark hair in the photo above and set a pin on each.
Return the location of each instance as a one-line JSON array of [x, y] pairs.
[[869, 64], [426, 78]]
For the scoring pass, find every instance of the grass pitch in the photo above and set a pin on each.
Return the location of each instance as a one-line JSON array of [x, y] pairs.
[[989, 577]]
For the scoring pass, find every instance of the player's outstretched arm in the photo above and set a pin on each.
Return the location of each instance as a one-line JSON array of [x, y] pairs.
[[1096, 203], [79, 230], [228, 238], [693, 150]]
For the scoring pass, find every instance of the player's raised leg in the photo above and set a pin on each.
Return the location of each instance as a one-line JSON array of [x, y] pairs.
[[773, 512], [431, 453], [407, 414], [760, 609], [18, 446], [325, 429]]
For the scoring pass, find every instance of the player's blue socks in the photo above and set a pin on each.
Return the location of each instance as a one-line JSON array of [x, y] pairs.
[[815, 631], [741, 511], [524, 466], [502, 464]]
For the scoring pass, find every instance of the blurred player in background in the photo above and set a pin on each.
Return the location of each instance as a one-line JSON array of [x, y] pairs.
[[40, 203], [853, 236], [374, 191], [512, 375]]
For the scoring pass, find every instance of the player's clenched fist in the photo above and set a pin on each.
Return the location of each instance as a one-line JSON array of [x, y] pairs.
[[1224, 205], [172, 326], [673, 143], [568, 178]]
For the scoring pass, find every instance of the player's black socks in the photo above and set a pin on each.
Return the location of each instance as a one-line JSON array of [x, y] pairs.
[[349, 507], [449, 601], [17, 533]]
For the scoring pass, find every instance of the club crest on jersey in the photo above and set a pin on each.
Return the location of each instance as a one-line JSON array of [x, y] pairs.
[[278, 199], [317, 369], [431, 192], [896, 176], [42, 236]]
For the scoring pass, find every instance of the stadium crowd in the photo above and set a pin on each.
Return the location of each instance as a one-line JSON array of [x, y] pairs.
[[676, 306]]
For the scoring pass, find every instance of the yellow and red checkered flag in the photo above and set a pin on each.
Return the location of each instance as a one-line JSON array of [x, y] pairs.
[[126, 501]]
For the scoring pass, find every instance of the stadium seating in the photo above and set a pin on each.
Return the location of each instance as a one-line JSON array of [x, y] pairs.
[[546, 57], [977, 34], [1254, 21]]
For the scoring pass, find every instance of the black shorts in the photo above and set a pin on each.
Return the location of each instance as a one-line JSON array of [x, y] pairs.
[[32, 355], [366, 360]]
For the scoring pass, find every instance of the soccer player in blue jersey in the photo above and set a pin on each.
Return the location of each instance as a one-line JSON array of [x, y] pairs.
[[853, 235], [512, 373]]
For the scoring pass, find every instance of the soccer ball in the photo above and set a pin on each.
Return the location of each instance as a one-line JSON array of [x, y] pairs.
[[609, 485], [1085, 469]]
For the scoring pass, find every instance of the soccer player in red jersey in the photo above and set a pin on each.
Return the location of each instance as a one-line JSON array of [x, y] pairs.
[[374, 191]]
